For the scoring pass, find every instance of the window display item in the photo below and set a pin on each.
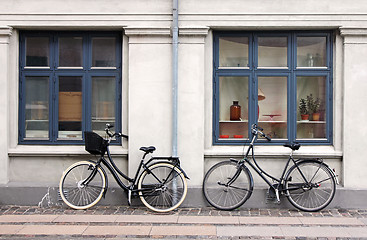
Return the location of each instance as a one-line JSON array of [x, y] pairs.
[[235, 111]]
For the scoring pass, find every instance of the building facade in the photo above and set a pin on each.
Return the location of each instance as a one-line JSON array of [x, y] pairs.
[[71, 66]]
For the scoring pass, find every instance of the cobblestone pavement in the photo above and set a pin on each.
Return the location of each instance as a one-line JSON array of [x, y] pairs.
[[122, 222], [205, 211]]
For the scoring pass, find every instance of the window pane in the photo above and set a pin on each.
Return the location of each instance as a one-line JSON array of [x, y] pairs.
[[70, 107], [103, 52], [233, 52], [311, 51], [36, 107], [311, 99], [37, 52], [272, 106], [272, 51], [233, 107], [103, 102], [71, 52]]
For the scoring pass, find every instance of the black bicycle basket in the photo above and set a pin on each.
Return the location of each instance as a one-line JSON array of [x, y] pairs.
[[94, 144]]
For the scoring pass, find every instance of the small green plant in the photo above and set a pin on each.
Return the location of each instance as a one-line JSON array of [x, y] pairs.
[[303, 106], [313, 104]]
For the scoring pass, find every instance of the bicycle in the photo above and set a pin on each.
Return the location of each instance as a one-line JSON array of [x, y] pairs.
[[161, 185], [309, 184]]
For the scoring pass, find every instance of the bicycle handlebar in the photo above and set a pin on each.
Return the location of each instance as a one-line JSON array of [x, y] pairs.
[[255, 129], [116, 134]]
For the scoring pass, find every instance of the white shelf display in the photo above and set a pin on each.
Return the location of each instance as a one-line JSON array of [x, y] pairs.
[[272, 107], [311, 90], [233, 90]]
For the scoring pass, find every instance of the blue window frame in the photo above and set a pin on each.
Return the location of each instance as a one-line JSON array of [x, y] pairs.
[[70, 82], [273, 78]]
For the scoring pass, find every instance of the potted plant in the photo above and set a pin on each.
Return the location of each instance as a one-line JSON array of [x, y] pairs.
[[303, 109], [313, 106]]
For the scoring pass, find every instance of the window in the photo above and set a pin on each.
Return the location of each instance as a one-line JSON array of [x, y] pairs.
[[70, 82], [280, 80]]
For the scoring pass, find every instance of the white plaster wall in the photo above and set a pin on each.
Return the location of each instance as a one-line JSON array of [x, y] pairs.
[[191, 107], [5, 33], [149, 96], [147, 72], [355, 112], [270, 7], [47, 170], [85, 7]]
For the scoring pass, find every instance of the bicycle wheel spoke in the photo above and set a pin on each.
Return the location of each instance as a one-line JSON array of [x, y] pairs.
[[227, 186], [163, 188], [215, 195], [315, 173], [91, 194], [75, 197], [319, 199], [238, 194], [80, 195], [317, 192]]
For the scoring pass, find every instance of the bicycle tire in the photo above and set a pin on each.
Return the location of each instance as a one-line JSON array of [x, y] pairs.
[[315, 195], [74, 193], [222, 195], [164, 187]]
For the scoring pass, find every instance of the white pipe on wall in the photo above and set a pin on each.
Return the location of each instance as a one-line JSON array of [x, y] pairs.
[[174, 76]]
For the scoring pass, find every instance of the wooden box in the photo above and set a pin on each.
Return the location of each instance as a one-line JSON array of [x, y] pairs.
[[70, 106]]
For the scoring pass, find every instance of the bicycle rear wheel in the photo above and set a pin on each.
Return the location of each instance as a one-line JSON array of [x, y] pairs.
[[163, 187], [75, 192], [227, 185], [310, 185]]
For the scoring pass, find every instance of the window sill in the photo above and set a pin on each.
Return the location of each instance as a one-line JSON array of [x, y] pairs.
[[55, 151], [274, 151]]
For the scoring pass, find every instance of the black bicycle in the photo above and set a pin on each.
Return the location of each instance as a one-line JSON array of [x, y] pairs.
[[160, 182], [309, 184]]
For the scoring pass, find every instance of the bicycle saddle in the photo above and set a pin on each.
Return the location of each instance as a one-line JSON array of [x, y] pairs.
[[293, 146], [148, 149]]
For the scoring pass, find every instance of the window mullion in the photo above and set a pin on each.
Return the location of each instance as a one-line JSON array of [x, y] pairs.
[[54, 109], [252, 85], [292, 111], [292, 90], [53, 90], [87, 124]]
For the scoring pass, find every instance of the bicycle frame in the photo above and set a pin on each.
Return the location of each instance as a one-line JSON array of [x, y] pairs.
[[263, 174], [116, 172], [159, 182], [308, 183]]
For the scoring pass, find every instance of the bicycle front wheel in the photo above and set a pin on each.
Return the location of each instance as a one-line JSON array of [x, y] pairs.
[[227, 185], [163, 187], [310, 185], [77, 190]]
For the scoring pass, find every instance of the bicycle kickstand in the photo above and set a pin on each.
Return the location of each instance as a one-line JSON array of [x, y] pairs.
[[277, 195], [129, 197]]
